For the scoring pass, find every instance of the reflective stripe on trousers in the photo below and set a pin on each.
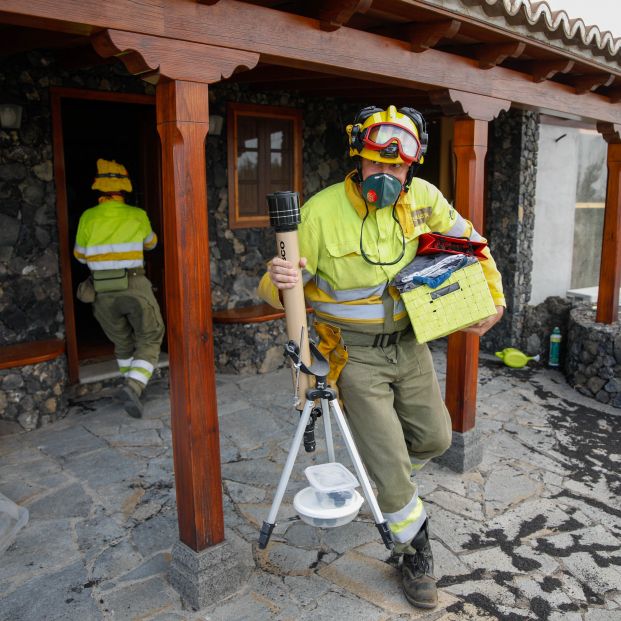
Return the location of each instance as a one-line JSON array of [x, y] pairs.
[[404, 524]]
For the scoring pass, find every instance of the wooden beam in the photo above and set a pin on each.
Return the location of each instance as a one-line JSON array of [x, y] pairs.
[[470, 148], [542, 70], [422, 36], [301, 44], [587, 83], [610, 266], [333, 14], [492, 54], [182, 123]]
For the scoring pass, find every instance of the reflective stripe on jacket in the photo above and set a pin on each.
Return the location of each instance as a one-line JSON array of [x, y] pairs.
[[113, 235], [342, 287]]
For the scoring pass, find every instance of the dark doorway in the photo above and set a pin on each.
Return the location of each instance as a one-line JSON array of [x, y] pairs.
[[125, 132]]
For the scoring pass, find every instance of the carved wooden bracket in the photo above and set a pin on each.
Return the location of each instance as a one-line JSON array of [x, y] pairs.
[[333, 14], [611, 132], [587, 83], [152, 58], [490, 55], [546, 69], [426, 35], [460, 103]]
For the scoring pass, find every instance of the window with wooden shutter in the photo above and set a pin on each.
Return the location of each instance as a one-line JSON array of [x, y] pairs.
[[264, 156]]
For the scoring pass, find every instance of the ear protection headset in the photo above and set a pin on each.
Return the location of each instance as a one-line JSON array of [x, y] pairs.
[[356, 130]]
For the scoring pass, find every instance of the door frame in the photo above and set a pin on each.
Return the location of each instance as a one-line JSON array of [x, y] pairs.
[[57, 94]]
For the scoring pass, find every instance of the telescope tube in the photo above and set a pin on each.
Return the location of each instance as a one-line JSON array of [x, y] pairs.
[[284, 212]]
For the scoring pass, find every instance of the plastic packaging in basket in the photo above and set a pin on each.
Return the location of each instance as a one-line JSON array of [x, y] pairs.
[[460, 301]]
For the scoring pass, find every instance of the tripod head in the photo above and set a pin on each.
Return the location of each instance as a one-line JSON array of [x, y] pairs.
[[319, 368]]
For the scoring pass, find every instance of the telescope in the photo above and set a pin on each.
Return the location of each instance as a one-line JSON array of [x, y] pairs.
[[284, 212]]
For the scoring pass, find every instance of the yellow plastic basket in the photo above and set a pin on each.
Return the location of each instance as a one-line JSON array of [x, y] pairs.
[[460, 301]]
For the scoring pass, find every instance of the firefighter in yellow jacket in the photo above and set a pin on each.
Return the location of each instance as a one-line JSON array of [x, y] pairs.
[[354, 237], [111, 238]]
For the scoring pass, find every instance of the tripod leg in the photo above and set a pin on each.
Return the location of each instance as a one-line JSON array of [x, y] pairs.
[[268, 525], [380, 522], [327, 425]]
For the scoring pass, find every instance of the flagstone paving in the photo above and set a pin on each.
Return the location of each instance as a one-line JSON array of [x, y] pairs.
[[534, 532]]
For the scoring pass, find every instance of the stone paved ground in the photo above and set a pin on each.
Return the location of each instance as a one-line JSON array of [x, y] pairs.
[[533, 533]]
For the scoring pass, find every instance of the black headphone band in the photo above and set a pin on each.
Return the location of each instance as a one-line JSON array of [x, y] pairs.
[[361, 116]]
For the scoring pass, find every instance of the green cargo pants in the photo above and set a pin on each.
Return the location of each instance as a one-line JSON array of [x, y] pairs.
[[132, 320], [394, 407]]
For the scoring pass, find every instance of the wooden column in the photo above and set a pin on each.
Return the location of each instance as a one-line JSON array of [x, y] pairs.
[[182, 123], [610, 266], [470, 147]]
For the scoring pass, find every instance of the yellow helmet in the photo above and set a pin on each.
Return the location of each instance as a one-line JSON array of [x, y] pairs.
[[389, 136], [111, 177]]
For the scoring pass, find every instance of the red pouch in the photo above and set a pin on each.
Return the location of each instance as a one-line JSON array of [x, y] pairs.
[[432, 243]]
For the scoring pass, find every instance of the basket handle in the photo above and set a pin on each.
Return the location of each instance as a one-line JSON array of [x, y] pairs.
[[445, 291]]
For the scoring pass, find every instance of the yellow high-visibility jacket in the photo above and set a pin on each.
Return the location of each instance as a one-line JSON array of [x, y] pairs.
[[113, 235], [342, 287]]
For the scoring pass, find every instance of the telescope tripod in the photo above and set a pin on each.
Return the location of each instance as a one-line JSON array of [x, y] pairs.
[[305, 430]]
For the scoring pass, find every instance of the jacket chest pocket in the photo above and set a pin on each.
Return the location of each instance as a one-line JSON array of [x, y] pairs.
[[343, 263]]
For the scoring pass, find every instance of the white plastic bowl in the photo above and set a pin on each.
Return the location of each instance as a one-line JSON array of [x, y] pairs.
[[327, 510]]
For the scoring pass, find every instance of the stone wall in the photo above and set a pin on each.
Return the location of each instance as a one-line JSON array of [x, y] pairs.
[[538, 323], [510, 216], [593, 362], [34, 395]]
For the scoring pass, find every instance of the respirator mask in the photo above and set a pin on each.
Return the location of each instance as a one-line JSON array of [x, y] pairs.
[[381, 190]]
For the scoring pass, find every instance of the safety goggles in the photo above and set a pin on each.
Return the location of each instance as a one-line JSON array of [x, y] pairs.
[[380, 136]]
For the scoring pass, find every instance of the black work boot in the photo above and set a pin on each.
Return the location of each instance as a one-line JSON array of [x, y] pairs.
[[130, 401], [419, 585]]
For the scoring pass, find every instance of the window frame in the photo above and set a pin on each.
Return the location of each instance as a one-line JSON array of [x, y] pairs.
[[236, 110]]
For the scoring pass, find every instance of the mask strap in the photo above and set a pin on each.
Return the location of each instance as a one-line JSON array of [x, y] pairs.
[[362, 252]]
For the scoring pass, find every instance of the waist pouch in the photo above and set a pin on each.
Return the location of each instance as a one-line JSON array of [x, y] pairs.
[[334, 350], [105, 281]]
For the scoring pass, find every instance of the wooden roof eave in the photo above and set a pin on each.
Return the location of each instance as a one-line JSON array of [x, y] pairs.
[[515, 27], [294, 41]]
